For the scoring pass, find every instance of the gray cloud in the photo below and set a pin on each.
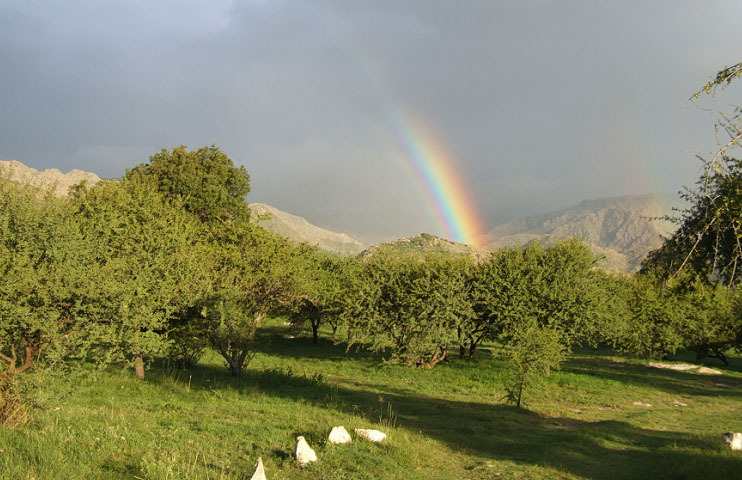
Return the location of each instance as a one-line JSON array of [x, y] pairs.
[[542, 103]]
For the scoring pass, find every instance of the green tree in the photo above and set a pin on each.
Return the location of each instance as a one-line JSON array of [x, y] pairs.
[[41, 282], [708, 239], [249, 272], [535, 351], [657, 317], [205, 181], [410, 304], [555, 287], [142, 268], [323, 291]]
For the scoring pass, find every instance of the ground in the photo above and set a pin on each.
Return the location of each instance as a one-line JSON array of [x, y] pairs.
[[601, 417]]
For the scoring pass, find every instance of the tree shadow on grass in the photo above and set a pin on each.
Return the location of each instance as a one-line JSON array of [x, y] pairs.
[[678, 382], [596, 450], [282, 342]]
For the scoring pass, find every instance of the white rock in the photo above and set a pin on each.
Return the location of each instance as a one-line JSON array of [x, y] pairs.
[[259, 473], [372, 435], [734, 440], [304, 453], [339, 435]]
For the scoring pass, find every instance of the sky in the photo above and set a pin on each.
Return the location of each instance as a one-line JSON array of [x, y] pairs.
[[537, 104]]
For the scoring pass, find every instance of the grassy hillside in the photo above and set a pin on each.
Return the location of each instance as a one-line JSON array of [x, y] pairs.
[[593, 420]]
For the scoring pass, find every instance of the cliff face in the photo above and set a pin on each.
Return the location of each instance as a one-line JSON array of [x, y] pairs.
[[51, 178], [620, 229], [299, 229]]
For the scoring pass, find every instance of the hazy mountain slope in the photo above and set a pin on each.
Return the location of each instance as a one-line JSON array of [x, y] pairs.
[[61, 182], [299, 230], [618, 228], [427, 243]]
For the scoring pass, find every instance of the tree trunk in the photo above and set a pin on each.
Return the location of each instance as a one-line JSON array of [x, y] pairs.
[[315, 331], [139, 367], [472, 348], [462, 347], [334, 333]]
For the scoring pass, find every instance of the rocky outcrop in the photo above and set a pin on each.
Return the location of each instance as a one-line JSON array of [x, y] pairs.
[[425, 243], [51, 178]]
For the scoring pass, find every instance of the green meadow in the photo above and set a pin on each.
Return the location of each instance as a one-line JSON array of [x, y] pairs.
[[600, 417]]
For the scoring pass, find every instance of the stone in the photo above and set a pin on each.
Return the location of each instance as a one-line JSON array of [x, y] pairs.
[[734, 440], [304, 453], [259, 473], [371, 435], [339, 435]]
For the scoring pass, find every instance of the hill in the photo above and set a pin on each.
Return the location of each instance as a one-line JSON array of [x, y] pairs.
[[60, 182], [620, 229], [427, 243], [299, 229]]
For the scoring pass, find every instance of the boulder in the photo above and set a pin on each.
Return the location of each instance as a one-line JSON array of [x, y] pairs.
[[734, 440], [304, 453], [259, 473], [371, 435], [339, 435]]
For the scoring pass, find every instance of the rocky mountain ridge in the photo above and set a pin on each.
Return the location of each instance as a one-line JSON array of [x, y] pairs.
[[622, 230], [300, 230], [49, 178]]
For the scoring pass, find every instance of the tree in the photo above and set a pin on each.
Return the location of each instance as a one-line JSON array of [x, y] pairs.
[[41, 282], [535, 351], [142, 267], [409, 303], [708, 240], [554, 287], [249, 272], [205, 181], [323, 291]]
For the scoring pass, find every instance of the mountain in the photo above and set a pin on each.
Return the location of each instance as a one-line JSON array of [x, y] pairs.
[[620, 229], [50, 178], [427, 243], [299, 230]]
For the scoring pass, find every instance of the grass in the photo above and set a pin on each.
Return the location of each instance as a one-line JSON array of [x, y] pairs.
[[443, 423]]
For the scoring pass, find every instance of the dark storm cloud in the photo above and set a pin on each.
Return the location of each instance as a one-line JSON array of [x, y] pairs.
[[543, 103]]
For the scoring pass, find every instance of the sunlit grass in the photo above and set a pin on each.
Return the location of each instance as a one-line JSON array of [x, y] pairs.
[[590, 420]]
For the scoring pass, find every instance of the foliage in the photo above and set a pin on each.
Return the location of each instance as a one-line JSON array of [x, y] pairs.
[[656, 318], [555, 287], [410, 303], [141, 269], [323, 290], [713, 324], [535, 351], [249, 272], [708, 240], [205, 181], [41, 281], [188, 337]]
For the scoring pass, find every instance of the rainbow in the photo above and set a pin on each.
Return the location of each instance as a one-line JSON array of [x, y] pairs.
[[447, 198]]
